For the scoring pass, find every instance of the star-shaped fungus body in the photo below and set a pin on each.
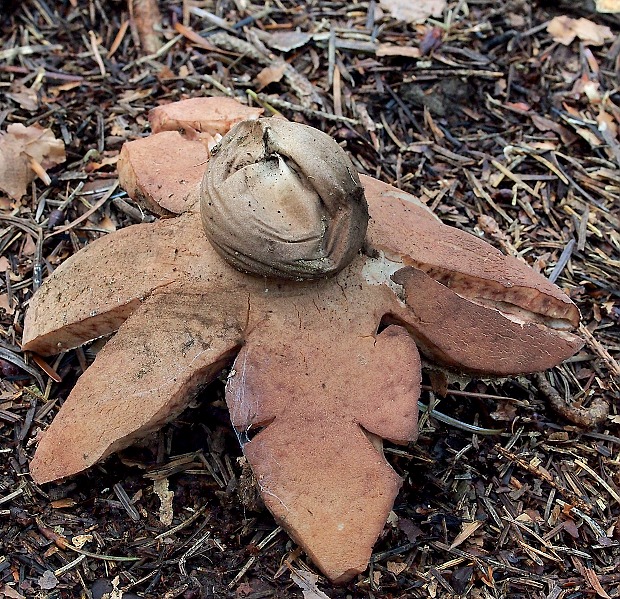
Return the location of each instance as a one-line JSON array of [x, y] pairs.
[[322, 370]]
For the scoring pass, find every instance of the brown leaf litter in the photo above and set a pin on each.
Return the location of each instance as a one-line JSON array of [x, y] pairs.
[[26, 153]]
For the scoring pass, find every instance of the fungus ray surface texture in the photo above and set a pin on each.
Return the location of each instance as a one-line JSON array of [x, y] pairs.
[[322, 369]]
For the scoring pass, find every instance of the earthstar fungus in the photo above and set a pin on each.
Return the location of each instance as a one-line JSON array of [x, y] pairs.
[[322, 370]]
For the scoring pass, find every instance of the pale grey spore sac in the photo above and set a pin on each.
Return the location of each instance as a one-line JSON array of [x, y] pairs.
[[283, 200]]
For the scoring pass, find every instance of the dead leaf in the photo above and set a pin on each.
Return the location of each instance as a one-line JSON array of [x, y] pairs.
[[4, 264], [80, 540], [460, 580], [63, 503], [564, 30], [525, 518], [11, 593], [543, 146], [48, 580], [561, 29], [25, 96], [4, 304], [608, 5], [589, 136], [392, 519], [120, 130], [607, 123], [65, 87], [165, 74], [595, 583], [505, 412], [306, 581], [24, 152], [106, 224], [431, 40], [30, 247], [534, 515], [193, 37], [114, 592], [394, 50], [439, 382], [468, 529], [244, 589], [491, 228], [131, 95], [588, 87], [414, 12], [516, 21], [571, 528], [270, 75], [166, 512], [396, 568], [520, 107], [544, 124], [285, 41], [107, 161], [411, 530]]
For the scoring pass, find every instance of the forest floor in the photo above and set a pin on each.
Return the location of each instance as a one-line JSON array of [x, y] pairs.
[[493, 117]]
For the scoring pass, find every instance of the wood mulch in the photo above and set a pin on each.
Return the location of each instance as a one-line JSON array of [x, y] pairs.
[[513, 489]]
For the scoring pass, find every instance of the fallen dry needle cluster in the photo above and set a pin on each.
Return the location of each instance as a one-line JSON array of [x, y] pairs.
[[322, 370]]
